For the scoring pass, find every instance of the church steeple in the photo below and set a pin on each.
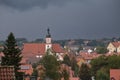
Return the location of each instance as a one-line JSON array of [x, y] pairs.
[[48, 37], [48, 33]]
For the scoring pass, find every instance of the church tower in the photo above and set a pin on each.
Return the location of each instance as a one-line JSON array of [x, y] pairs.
[[48, 37], [48, 40]]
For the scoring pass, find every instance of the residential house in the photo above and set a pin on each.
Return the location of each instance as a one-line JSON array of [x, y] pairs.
[[26, 67], [80, 60], [114, 47], [87, 57]]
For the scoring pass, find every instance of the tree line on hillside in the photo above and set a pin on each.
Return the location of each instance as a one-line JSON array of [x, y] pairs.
[[94, 42]]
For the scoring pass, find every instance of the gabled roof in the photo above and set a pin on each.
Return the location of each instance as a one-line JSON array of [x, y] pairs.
[[34, 48], [89, 56], [27, 68], [116, 44], [39, 48], [57, 48]]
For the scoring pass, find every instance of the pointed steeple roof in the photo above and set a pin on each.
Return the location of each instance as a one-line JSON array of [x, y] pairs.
[[48, 33]]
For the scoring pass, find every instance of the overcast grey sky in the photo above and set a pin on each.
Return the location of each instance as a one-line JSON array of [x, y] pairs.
[[67, 19]]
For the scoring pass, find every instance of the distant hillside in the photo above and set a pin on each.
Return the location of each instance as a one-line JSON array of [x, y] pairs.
[[80, 42]]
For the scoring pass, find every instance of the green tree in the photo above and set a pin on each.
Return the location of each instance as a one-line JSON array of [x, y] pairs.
[[72, 63], [103, 64], [51, 66], [66, 60], [65, 74], [101, 50], [12, 54], [98, 63], [74, 66], [114, 62], [84, 73], [102, 75]]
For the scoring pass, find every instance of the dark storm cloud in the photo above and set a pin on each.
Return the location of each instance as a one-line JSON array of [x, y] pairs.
[[75, 19], [27, 4]]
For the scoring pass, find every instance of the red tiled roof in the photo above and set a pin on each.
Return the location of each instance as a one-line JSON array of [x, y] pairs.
[[57, 48], [89, 56], [31, 50], [114, 74], [74, 78], [116, 44], [27, 71], [34, 48], [24, 60]]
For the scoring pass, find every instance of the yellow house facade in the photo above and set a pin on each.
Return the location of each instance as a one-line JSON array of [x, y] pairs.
[[118, 49], [114, 47]]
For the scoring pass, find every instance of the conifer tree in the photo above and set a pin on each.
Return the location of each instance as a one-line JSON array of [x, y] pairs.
[[12, 54]]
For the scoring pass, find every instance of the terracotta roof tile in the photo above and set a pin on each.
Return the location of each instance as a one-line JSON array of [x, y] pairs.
[[31, 50], [74, 78], [34, 48], [116, 44], [27, 71], [89, 56], [57, 48], [114, 74], [24, 60]]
